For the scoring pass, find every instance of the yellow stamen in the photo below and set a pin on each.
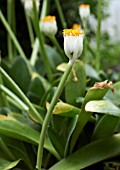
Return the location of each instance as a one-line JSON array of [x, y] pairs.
[[48, 18], [84, 6], [71, 32], [76, 27]]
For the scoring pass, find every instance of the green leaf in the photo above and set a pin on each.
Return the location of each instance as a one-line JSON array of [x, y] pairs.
[[70, 131], [44, 82], [13, 128], [91, 72], [114, 98], [102, 106], [62, 67], [7, 165], [53, 56], [19, 151], [105, 127], [76, 83], [66, 110], [94, 93], [6, 150], [36, 90], [56, 141], [21, 78], [90, 154]]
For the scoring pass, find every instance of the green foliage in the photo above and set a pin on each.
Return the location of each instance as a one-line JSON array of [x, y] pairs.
[[84, 127], [77, 81]]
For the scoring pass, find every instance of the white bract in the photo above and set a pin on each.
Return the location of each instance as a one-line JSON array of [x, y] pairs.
[[28, 5], [48, 25], [73, 43], [84, 11]]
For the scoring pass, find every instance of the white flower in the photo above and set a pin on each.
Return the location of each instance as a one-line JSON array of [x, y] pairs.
[[84, 11], [73, 43], [28, 5], [48, 25]]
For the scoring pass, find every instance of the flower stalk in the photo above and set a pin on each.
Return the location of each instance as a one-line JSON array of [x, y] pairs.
[[84, 11], [48, 114], [11, 20], [30, 29], [12, 35], [35, 20], [73, 49], [60, 12], [85, 40], [98, 35], [44, 8]]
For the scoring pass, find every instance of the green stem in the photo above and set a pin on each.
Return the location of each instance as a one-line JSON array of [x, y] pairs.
[[44, 8], [30, 29], [14, 39], [14, 97], [3, 96], [98, 35], [56, 44], [10, 19], [41, 42], [85, 40], [48, 115], [14, 24], [12, 35], [33, 57], [90, 49], [61, 15], [35, 115]]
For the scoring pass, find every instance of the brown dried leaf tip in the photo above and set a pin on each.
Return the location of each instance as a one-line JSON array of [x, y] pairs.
[[103, 84]]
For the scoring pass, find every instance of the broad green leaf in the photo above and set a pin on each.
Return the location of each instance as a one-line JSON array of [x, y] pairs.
[[114, 98], [94, 93], [91, 72], [56, 141], [13, 128], [76, 83], [7, 165], [44, 82], [19, 151], [64, 109], [102, 106], [105, 127], [36, 90], [70, 131], [53, 56], [90, 154], [21, 78], [6, 149], [24, 120]]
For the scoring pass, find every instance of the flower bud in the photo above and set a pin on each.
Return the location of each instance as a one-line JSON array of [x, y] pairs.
[[84, 11], [28, 5], [48, 25], [76, 26], [73, 43]]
